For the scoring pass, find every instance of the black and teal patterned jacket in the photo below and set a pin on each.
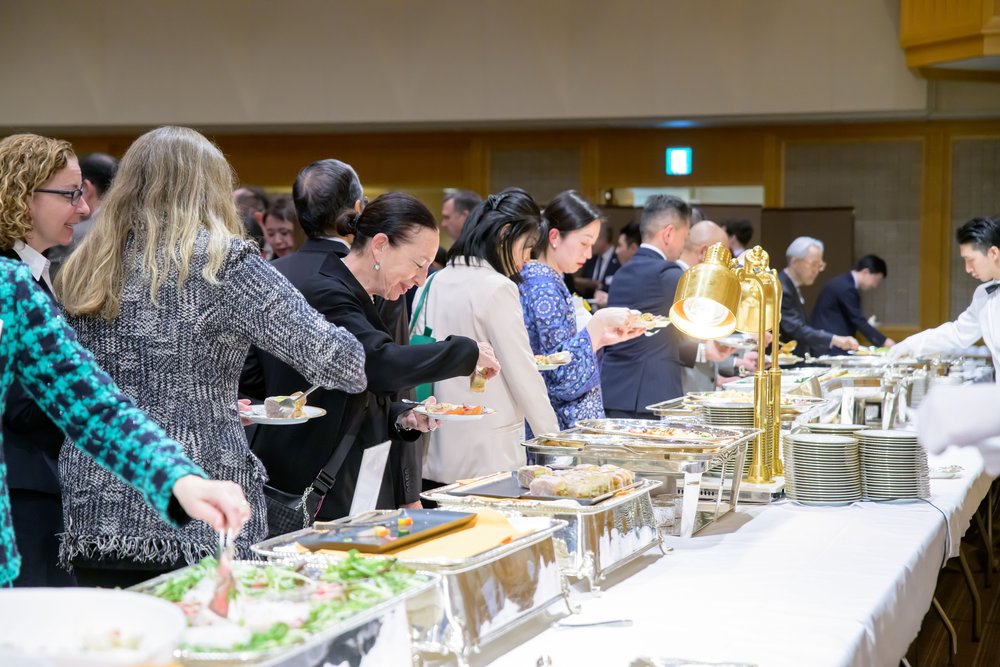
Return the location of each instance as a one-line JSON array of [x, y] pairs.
[[38, 348]]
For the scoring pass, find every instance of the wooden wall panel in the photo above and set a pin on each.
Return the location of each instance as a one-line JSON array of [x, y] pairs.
[[975, 192]]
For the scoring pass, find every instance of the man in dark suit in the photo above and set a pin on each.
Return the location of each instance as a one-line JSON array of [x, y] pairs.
[[838, 308], [647, 369], [805, 263], [597, 272]]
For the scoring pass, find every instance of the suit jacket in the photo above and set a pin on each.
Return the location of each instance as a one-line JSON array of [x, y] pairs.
[[838, 310], [795, 325], [293, 455], [646, 369], [589, 270], [31, 441]]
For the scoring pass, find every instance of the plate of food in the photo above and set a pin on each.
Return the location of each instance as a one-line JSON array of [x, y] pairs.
[[869, 351], [550, 362], [263, 413], [453, 412], [388, 531], [657, 430], [650, 322]]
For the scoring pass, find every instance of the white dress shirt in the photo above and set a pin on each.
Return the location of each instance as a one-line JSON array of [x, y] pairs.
[[603, 262], [36, 261], [654, 249], [980, 320], [963, 417]]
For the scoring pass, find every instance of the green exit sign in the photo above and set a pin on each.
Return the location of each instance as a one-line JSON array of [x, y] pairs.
[[679, 161]]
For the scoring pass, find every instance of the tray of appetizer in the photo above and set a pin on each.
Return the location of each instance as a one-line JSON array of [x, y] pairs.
[[380, 532], [585, 484], [659, 430], [281, 608], [453, 411], [550, 362]]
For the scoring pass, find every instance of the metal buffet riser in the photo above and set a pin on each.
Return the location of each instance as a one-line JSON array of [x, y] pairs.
[[480, 598], [596, 540], [703, 480]]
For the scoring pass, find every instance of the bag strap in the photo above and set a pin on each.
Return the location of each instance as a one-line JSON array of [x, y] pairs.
[[327, 477], [420, 304]]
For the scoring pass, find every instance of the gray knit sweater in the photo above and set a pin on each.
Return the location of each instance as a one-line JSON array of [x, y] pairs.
[[181, 363]]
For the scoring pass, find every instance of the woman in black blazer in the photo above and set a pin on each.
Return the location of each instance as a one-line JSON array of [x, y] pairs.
[[395, 240]]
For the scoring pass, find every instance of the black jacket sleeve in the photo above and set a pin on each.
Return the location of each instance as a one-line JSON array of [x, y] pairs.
[[851, 303]]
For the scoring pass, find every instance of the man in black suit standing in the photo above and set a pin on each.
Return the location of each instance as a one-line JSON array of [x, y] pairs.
[[647, 369], [838, 308], [598, 271], [805, 263]]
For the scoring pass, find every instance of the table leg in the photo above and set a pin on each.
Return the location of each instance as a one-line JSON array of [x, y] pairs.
[[952, 634], [988, 544], [977, 604]]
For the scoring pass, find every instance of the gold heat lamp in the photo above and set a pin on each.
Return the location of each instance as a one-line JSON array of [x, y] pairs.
[[715, 298]]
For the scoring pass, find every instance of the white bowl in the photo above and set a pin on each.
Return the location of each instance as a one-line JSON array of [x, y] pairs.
[[55, 626]]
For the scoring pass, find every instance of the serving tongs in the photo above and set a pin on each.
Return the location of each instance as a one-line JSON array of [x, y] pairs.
[[288, 402], [369, 519], [225, 583]]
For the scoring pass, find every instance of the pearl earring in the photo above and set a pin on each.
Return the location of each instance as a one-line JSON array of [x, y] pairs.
[[377, 266]]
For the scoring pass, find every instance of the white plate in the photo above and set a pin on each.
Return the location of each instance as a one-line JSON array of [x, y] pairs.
[[453, 418], [549, 367], [257, 416]]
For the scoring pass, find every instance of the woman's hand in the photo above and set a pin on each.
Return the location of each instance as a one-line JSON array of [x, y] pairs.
[[412, 421], [612, 325], [487, 365], [220, 504]]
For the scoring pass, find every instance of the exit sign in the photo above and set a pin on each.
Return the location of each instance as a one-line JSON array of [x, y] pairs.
[[679, 161]]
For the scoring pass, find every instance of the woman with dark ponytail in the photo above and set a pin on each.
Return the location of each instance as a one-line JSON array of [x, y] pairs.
[[395, 239]]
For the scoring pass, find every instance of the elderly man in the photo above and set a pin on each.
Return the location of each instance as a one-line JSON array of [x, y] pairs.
[[455, 209], [805, 263]]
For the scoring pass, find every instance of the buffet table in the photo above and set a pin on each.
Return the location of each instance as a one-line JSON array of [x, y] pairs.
[[776, 585]]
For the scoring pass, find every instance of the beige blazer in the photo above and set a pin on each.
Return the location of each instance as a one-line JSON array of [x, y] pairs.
[[474, 300]]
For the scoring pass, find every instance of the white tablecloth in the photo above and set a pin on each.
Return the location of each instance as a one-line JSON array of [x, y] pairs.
[[776, 585]]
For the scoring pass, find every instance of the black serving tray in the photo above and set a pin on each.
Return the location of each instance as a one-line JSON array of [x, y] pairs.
[[508, 487], [361, 536]]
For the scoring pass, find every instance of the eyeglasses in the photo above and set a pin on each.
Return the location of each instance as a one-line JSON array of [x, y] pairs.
[[74, 196], [816, 264]]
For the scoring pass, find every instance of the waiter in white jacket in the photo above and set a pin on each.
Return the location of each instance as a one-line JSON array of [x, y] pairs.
[[979, 244]]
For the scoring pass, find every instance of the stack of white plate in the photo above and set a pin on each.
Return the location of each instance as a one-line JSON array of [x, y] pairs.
[[822, 469], [893, 465], [729, 413], [849, 430]]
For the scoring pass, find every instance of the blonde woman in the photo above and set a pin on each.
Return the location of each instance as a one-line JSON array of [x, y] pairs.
[[169, 297]]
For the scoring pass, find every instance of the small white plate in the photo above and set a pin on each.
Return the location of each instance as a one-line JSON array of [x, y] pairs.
[[453, 418], [256, 415]]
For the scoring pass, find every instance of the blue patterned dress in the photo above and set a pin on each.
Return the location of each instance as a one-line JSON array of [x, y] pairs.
[[574, 389], [38, 348]]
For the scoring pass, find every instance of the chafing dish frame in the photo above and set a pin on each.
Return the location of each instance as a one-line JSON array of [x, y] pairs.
[[460, 630], [597, 540], [686, 469]]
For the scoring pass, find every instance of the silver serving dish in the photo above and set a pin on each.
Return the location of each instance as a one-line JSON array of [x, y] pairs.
[[481, 598], [646, 429], [703, 484], [334, 644], [596, 540]]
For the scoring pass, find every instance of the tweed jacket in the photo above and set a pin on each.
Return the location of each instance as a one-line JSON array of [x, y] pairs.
[[180, 361], [38, 349]]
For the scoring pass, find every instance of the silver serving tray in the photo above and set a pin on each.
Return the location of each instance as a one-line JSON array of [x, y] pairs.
[[618, 427], [315, 643], [482, 597], [596, 540]]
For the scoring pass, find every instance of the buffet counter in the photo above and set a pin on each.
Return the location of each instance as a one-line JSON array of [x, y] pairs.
[[775, 585]]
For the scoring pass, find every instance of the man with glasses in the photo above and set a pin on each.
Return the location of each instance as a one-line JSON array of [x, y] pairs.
[[805, 263]]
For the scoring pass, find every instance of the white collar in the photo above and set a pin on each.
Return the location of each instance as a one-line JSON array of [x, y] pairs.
[[654, 249], [681, 263], [36, 261], [337, 239]]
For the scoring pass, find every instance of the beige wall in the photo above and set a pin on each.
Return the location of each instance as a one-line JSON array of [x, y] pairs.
[[338, 63]]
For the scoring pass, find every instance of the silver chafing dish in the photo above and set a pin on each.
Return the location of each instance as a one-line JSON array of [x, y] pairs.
[[482, 597], [700, 481], [374, 637], [596, 540]]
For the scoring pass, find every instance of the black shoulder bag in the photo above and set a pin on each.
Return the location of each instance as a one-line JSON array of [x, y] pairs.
[[287, 512]]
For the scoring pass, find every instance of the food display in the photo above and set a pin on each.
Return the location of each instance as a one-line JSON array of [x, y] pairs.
[[582, 481], [652, 429], [733, 396], [278, 606]]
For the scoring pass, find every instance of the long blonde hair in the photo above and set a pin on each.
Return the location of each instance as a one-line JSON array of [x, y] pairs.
[[26, 162], [171, 183]]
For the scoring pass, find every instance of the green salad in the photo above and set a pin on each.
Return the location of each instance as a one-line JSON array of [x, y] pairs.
[[276, 606]]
